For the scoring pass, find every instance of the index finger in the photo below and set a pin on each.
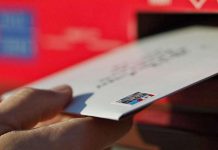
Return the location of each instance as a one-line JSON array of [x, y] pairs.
[[29, 106]]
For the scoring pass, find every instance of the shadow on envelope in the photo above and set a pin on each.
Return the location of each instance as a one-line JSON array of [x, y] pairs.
[[79, 103]]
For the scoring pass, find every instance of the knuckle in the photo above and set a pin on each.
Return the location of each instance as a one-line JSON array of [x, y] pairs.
[[28, 90], [34, 91]]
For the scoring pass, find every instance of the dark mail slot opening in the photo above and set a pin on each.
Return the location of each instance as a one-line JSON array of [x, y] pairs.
[[152, 23]]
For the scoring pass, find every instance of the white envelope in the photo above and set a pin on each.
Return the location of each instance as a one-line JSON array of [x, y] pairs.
[[145, 71]]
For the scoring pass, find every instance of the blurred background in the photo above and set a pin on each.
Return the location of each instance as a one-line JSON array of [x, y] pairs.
[[38, 38]]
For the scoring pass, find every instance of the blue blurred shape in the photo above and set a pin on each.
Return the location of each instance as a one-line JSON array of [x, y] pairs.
[[16, 34]]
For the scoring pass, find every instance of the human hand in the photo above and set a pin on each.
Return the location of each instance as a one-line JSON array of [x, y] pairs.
[[20, 128]]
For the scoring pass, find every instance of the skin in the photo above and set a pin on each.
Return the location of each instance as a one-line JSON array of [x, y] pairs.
[[32, 119]]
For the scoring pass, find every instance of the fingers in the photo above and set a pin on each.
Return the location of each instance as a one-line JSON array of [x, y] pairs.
[[79, 134], [0, 99], [59, 118], [29, 106], [87, 133]]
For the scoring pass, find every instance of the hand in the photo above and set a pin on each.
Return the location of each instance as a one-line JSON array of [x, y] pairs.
[[20, 128]]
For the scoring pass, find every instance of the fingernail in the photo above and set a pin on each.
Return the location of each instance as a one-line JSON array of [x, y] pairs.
[[62, 89]]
